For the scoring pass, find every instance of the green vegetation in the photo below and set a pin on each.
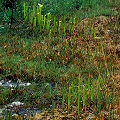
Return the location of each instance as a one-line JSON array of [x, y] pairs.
[[69, 43]]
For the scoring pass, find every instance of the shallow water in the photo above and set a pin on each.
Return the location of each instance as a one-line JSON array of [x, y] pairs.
[[17, 108], [11, 84]]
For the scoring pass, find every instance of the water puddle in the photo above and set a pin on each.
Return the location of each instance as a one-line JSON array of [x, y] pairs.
[[18, 108], [11, 84]]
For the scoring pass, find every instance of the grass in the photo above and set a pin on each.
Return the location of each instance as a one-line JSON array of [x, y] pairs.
[[77, 54]]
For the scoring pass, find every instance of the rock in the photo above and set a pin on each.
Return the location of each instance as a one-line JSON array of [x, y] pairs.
[[17, 103]]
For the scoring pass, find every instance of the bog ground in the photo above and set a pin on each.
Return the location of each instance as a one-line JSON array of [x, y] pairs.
[[60, 60]]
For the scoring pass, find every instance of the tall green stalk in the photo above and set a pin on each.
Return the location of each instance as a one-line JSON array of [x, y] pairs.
[[25, 6], [88, 84], [59, 27], [79, 100], [33, 19], [92, 94], [84, 96], [44, 20], [69, 96], [72, 92], [48, 22], [40, 16], [74, 21], [34, 22], [55, 25], [94, 33]]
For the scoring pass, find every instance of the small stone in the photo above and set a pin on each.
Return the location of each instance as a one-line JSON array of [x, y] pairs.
[[15, 115], [28, 84], [16, 103]]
